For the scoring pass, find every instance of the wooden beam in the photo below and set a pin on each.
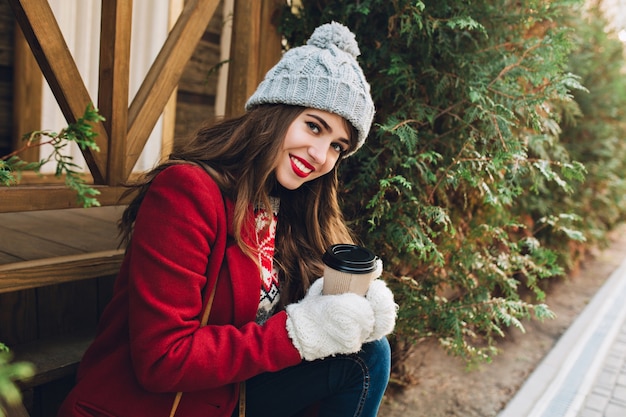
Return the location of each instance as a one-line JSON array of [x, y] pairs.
[[115, 34], [50, 197], [271, 47], [169, 112], [165, 74], [53, 358], [243, 64], [251, 58], [27, 95], [32, 274], [46, 41]]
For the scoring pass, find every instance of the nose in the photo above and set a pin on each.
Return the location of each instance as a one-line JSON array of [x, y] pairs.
[[318, 151]]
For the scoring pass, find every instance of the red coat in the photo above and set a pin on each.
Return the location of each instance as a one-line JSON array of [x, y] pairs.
[[149, 343]]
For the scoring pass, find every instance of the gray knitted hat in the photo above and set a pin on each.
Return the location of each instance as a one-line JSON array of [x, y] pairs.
[[323, 74]]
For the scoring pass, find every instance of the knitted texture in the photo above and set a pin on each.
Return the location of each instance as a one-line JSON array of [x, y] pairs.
[[323, 74], [328, 325], [384, 307], [265, 226]]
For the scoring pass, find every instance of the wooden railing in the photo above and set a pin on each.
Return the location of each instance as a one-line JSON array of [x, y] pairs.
[[122, 137]]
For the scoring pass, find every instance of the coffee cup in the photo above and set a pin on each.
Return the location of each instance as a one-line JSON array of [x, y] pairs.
[[349, 268]]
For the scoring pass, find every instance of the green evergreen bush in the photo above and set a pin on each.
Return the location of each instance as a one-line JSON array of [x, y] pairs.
[[9, 373], [468, 187], [597, 135], [81, 132]]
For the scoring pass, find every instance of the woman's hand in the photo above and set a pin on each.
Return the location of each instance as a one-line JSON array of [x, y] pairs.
[[385, 309], [326, 325]]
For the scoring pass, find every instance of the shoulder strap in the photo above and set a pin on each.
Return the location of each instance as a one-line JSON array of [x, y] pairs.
[[203, 322]]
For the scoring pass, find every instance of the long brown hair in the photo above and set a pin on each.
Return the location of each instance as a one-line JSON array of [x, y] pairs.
[[240, 155]]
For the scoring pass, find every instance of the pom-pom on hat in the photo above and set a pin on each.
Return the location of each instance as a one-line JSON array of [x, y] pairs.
[[323, 74]]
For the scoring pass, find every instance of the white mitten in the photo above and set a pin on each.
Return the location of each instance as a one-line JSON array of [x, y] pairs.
[[326, 325], [385, 309]]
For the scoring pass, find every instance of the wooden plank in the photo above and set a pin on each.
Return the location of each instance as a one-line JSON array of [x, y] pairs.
[[46, 41], [105, 292], [32, 274], [6, 122], [7, 24], [169, 112], [271, 47], [7, 258], [79, 234], [53, 358], [199, 79], [250, 58], [73, 218], [27, 95], [116, 24], [108, 215], [195, 102], [190, 117], [68, 308], [243, 77], [49, 197], [34, 178], [164, 75], [18, 317], [29, 247]]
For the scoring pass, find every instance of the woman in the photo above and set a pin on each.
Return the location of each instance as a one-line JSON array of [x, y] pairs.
[[246, 210]]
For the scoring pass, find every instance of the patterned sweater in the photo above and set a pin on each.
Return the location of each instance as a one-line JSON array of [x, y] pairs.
[[265, 223]]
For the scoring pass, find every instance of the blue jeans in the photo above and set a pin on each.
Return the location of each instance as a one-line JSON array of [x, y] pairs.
[[340, 386]]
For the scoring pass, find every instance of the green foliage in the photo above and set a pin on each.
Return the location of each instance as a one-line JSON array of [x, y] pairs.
[[596, 135], [9, 373], [81, 133], [469, 187]]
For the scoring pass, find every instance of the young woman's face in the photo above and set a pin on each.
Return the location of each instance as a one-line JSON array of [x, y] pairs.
[[315, 140]]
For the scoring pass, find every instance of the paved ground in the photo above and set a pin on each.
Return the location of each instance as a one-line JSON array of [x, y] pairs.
[[607, 396], [584, 375]]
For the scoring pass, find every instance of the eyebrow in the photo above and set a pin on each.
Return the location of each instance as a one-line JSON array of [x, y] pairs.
[[327, 127]]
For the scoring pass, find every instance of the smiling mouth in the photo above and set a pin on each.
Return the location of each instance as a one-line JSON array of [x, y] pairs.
[[301, 168]]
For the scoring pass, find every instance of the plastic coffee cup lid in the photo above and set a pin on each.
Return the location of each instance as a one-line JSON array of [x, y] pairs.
[[350, 258]]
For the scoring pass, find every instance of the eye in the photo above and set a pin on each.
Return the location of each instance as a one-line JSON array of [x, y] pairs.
[[339, 148], [314, 127]]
